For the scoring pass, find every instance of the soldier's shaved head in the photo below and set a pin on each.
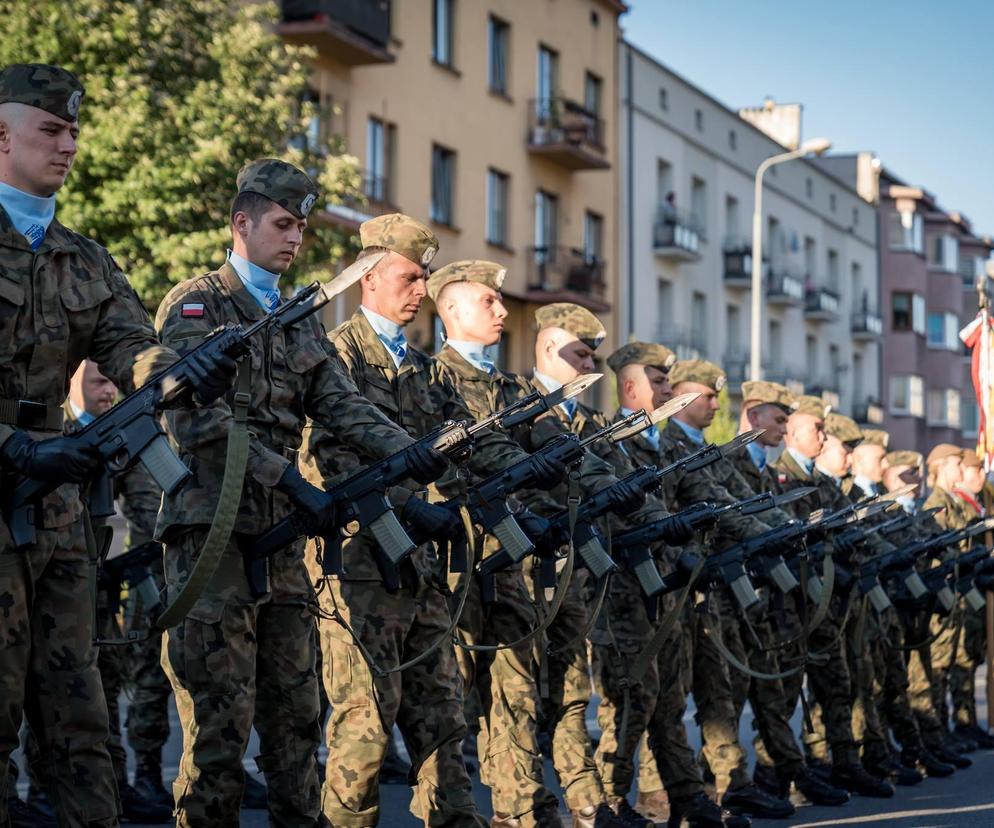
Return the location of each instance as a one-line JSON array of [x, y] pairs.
[[642, 386], [561, 355], [471, 312]]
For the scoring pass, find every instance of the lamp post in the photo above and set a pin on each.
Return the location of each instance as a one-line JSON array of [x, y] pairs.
[[814, 146]]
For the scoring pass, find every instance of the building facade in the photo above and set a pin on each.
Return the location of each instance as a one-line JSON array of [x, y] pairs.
[[494, 122], [686, 169]]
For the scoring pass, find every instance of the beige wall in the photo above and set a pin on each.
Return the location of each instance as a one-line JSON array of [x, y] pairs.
[[433, 104]]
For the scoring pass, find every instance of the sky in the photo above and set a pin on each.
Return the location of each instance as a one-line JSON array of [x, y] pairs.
[[912, 81]]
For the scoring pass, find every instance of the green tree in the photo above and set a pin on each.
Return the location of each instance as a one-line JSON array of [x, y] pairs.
[[178, 96], [725, 424]]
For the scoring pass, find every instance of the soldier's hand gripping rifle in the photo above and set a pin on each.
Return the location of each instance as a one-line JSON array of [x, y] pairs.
[[130, 432], [976, 562], [362, 497]]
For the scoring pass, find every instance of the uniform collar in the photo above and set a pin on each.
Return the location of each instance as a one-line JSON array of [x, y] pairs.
[[481, 357], [807, 464], [567, 406], [239, 293], [262, 285], [650, 434], [695, 435], [389, 333], [757, 454], [80, 415], [867, 485], [31, 215]]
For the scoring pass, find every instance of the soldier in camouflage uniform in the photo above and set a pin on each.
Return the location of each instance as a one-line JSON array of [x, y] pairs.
[[396, 623], [243, 655], [829, 681], [62, 299], [467, 296]]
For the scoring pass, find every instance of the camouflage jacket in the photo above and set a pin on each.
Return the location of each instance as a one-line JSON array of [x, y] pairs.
[[418, 396], [296, 374], [956, 512], [790, 475], [59, 305]]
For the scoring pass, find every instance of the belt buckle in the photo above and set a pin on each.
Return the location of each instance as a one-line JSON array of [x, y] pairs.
[[32, 415]]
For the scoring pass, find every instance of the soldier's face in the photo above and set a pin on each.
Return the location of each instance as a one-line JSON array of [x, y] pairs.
[[950, 473], [646, 387], [273, 240], [37, 149], [974, 478], [701, 411], [773, 420], [475, 312], [91, 390], [834, 457], [395, 288], [564, 357], [867, 461], [806, 434]]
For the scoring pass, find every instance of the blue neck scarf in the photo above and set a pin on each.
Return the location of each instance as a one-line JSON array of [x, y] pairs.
[[479, 356], [758, 455], [806, 463], [30, 214], [569, 406], [390, 334], [81, 415], [695, 434], [650, 434], [263, 285], [867, 485]]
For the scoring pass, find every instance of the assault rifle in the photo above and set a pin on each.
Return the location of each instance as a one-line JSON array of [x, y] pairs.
[[937, 578], [134, 568], [130, 433], [363, 495]]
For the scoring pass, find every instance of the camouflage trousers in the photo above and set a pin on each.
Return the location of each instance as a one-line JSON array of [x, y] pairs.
[[862, 642], [892, 687], [948, 652], [917, 627], [656, 705], [564, 684], [510, 758], [48, 674], [425, 701], [962, 684], [234, 663]]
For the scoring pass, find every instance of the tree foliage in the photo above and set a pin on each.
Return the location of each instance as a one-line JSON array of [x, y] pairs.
[[179, 95], [725, 424]]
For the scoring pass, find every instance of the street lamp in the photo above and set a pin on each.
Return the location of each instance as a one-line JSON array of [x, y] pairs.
[[814, 146]]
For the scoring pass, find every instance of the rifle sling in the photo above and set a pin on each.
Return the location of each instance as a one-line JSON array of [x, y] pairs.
[[714, 636]]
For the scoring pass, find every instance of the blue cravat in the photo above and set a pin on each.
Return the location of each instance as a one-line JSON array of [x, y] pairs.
[[389, 333], [83, 417], [651, 434], [479, 356], [758, 455], [30, 214], [695, 434], [868, 486], [805, 463], [259, 282], [569, 406]]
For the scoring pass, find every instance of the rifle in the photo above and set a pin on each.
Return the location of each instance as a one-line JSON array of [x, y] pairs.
[[363, 495], [133, 567], [130, 433], [936, 578], [977, 562]]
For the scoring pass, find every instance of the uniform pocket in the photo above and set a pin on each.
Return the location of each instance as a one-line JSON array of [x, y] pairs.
[[85, 295]]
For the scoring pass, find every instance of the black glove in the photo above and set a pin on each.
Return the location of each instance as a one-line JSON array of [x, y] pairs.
[[59, 460], [626, 497], [318, 506], [844, 547], [426, 464], [431, 521], [536, 527], [548, 471], [675, 531], [984, 581], [212, 373]]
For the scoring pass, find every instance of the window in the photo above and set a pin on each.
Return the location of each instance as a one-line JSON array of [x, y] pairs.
[[733, 330], [664, 103], [379, 159], [835, 366], [831, 202], [905, 231], [776, 343], [811, 357], [860, 298], [664, 181], [731, 219], [593, 232], [443, 169], [592, 93], [664, 307], [698, 324], [733, 140], [943, 331], [546, 225], [548, 80], [499, 34], [833, 270], [943, 407], [441, 40], [857, 378], [810, 257], [809, 188], [855, 216], [699, 205], [698, 120], [908, 312], [497, 187], [943, 252], [907, 395], [969, 418]]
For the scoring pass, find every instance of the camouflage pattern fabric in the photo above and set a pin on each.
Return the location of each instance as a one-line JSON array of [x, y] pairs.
[[651, 354], [51, 88], [401, 234], [281, 183], [972, 650], [480, 271], [574, 319]]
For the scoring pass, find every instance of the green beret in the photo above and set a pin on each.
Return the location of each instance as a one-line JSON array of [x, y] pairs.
[[876, 437], [761, 392], [903, 458], [642, 353], [843, 428], [486, 273], [46, 87], [815, 406], [700, 371], [401, 234], [281, 183], [575, 319]]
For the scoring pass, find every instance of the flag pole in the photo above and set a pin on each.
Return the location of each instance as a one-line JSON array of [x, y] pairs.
[[983, 378]]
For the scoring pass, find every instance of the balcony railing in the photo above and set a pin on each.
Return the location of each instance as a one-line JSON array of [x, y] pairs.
[[790, 375], [868, 412], [353, 32], [737, 254], [783, 287], [560, 273], [820, 304], [563, 131], [675, 236], [686, 343], [373, 200], [867, 325]]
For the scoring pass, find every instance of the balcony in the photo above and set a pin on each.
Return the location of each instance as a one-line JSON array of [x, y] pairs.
[[737, 254], [686, 343], [353, 32], [866, 326], [783, 288], [565, 274], [675, 237], [868, 412], [351, 211], [565, 133], [791, 376], [821, 304]]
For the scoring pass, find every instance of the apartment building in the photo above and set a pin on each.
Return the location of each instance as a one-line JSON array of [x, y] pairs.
[[491, 120], [930, 260], [687, 165]]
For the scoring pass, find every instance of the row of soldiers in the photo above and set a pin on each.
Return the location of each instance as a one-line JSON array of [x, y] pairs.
[[465, 593]]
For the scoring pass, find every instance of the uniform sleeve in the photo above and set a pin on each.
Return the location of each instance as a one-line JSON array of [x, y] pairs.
[[204, 431]]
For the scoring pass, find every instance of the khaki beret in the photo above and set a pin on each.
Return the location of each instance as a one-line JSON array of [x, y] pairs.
[[760, 391], [698, 370], [281, 183], [486, 273], [401, 234], [942, 451], [575, 319], [642, 353], [843, 428], [51, 88], [903, 458], [971, 460], [876, 437], [815, 406]]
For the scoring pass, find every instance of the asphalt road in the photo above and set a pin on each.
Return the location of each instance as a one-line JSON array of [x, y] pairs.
[[965, 799]]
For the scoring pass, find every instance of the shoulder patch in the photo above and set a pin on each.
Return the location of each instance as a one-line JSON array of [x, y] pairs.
[[194, 310], [781, 477]]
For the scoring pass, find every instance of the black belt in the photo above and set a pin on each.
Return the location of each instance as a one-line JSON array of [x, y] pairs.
[[34, 416]]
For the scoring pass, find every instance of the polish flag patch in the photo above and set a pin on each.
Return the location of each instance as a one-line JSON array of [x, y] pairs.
[[192, 309]]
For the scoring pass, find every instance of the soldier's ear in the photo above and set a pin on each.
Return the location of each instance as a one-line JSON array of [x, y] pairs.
[[241, 224]]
